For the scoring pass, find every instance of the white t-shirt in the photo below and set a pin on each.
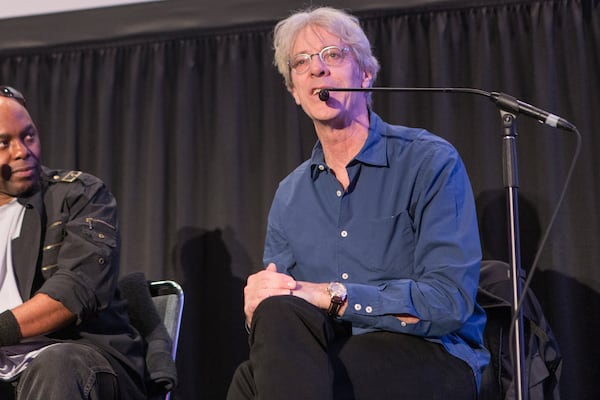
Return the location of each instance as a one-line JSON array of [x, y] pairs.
[[11, 218], [13, 359]]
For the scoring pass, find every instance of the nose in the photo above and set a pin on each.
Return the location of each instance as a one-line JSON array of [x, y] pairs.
[[318, 67], [20, 150]]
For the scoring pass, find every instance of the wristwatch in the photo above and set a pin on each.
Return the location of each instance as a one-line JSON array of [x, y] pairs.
[[338, 294]]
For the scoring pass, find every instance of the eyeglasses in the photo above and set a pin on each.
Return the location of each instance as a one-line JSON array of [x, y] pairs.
[[7, 91], [330, 55]]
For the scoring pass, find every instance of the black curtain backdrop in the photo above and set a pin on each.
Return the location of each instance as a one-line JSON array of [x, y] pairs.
[[193, 130]]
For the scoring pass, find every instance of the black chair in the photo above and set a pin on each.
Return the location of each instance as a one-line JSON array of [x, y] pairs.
[[543, 358], [155, 310], [168, 299]]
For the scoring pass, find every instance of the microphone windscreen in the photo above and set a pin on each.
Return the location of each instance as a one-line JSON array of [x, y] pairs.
[[323, 94], [6, 170], [141, 309]]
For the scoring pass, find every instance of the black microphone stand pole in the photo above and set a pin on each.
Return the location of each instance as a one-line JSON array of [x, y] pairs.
[[511, 184]]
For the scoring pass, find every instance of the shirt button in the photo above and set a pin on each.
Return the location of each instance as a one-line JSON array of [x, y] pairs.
[[369, 309], [339, 193], [344, 233], [357, 307], [345, 276], [321, 167], [403, 324]]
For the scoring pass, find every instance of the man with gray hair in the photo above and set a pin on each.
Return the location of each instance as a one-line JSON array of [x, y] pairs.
[[372, 251]]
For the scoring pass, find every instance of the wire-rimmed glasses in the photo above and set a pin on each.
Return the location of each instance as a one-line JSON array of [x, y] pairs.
[[330, 55]]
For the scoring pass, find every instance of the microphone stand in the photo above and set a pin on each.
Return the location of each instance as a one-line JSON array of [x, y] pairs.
[[511, 183]]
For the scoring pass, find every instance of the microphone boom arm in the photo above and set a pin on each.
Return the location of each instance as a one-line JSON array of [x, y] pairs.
[[324, 93], [503, 101]]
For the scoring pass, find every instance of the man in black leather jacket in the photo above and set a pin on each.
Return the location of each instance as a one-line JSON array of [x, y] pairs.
[[64, 330]]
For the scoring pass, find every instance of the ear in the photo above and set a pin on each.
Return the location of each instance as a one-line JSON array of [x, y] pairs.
[[367, 79]]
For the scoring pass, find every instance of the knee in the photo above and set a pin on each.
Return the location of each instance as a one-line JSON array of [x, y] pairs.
[[80, 369], [285, 314], [54, 360], [280, 308], [274, 305], [68, 361]]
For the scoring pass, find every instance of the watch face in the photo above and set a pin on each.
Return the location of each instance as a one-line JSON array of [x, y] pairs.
[[336, 289]]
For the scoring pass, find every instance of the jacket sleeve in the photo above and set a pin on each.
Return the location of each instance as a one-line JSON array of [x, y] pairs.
[[81, 249]]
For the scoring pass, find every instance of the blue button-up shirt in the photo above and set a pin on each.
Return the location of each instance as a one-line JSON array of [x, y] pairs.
[[403, 237]]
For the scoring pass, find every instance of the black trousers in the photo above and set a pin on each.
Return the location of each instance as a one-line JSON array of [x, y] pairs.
[[298, 352]]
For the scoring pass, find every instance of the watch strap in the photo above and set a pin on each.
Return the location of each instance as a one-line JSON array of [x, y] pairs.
[[334, 306], [337, 293]]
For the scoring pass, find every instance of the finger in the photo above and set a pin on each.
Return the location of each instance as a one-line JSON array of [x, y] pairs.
[[282, 279], [271, 267]]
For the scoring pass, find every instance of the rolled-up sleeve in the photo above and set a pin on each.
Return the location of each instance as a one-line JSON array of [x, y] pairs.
[[80, 266]]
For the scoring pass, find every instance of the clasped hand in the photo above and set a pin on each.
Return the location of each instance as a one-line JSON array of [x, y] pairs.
[[269, 282]]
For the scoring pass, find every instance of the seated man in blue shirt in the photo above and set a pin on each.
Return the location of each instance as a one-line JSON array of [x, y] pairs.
[[372, 251]]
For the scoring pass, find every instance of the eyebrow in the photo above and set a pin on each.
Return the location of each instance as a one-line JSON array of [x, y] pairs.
[[341, 46], [29, 128]]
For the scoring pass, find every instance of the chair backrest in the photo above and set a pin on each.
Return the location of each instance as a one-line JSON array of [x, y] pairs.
[[155, 309], [168, 298]]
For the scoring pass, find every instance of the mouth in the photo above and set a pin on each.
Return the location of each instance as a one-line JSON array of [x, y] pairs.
[[21, 172]]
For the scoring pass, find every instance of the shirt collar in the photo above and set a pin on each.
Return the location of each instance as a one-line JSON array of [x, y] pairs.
[[34, 197], [373, 152]]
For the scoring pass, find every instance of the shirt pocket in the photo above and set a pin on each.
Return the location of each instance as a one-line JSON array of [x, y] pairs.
[[99, 232], [386, 244]]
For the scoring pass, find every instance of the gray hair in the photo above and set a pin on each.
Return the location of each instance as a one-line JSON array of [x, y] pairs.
[[334, 21]]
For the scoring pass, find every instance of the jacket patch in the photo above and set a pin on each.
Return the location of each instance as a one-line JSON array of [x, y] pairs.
[[70, 176]]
